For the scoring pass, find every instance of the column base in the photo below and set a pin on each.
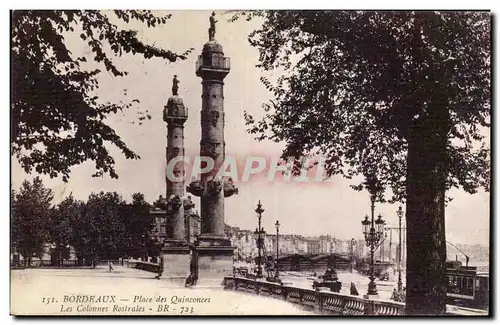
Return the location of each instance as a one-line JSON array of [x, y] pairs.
[[211, 240], [174, 243], [215, 261], [176, 262]]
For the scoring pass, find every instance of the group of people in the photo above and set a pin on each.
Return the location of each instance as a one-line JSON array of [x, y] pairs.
[[399, 296]]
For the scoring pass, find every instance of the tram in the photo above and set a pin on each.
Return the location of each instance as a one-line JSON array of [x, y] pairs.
[[467, 286]]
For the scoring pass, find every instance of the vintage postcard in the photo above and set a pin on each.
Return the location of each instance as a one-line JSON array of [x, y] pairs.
[[262, 162]]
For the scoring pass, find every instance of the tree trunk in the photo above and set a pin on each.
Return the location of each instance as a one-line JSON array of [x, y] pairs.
[[425, 217]]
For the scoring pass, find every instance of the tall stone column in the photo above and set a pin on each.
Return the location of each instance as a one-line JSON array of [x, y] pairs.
[[175, 247], [214, 249], [175, 187], [212, 145]]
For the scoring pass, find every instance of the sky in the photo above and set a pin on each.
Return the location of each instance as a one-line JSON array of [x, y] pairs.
[[309, 209]]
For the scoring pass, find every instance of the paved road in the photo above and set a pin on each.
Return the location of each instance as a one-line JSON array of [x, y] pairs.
[[30, 288]]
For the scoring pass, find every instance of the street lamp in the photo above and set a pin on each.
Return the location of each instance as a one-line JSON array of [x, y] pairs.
[[351, 267], [145, 252], [400, 282], [259, 232], [277, 224], [373, 231]]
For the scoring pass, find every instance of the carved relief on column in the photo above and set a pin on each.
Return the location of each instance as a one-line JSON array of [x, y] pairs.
[[213, 117], [229, 188], [174, 203], [210, 117], [197, 188], [210, 149], [178, 167], [173, 110], [175, 151], [214, 188], [176, 173]]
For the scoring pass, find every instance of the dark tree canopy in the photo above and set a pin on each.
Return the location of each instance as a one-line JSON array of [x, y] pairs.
[[57, 121], [138, 224], [30, 218], [355, 83], [103, 227], [61, 230], [400, 98], [108, 227]]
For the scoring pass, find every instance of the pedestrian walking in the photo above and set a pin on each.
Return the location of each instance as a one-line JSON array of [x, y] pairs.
[[394, 295], [193, 267], [354, 291], [403, 295], [110, 266], [160, 268]]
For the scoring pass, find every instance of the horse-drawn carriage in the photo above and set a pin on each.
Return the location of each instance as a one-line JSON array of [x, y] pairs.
[[328, 280]]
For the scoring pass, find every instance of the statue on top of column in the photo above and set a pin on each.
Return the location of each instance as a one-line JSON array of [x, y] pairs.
[[175, 86], [211, 30]]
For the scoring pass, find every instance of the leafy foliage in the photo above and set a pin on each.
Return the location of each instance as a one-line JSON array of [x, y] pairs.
[[103, 227], [57, 121], [356, 83], [400, 98], [108, 227], [30, 218], [62, 233], [138, 223]]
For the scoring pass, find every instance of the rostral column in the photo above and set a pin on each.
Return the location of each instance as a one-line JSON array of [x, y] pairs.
[[175, 247], [214, 248]]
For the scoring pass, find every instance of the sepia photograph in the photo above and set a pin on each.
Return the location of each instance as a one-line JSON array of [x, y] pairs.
[[331, 163]]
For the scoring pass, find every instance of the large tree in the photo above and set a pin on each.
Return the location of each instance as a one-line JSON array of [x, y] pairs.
[[30, 219], [83, 231], [62, 232], [57, 120], [104, 227], [138, 225], [101, 230], [402, 98]]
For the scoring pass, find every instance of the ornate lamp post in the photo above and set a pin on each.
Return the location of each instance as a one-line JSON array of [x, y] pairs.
[[353, 242], [145, 252], [372, 231], [277, 224], [259, 232], [400, 282]]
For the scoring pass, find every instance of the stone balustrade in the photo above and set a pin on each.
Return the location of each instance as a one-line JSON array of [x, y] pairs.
[[324, 302]]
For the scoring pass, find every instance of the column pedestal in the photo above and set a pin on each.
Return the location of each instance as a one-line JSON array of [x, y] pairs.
[[215, 260], [176, 261]]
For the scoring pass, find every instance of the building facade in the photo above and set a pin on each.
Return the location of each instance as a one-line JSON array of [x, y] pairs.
[[192, 222], [245, 242]]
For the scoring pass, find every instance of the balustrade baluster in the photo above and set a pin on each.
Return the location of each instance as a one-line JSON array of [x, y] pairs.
[[368, 307], [319, 301]]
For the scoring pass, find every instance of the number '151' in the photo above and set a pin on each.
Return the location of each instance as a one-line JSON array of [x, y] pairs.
[[48, 300]]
